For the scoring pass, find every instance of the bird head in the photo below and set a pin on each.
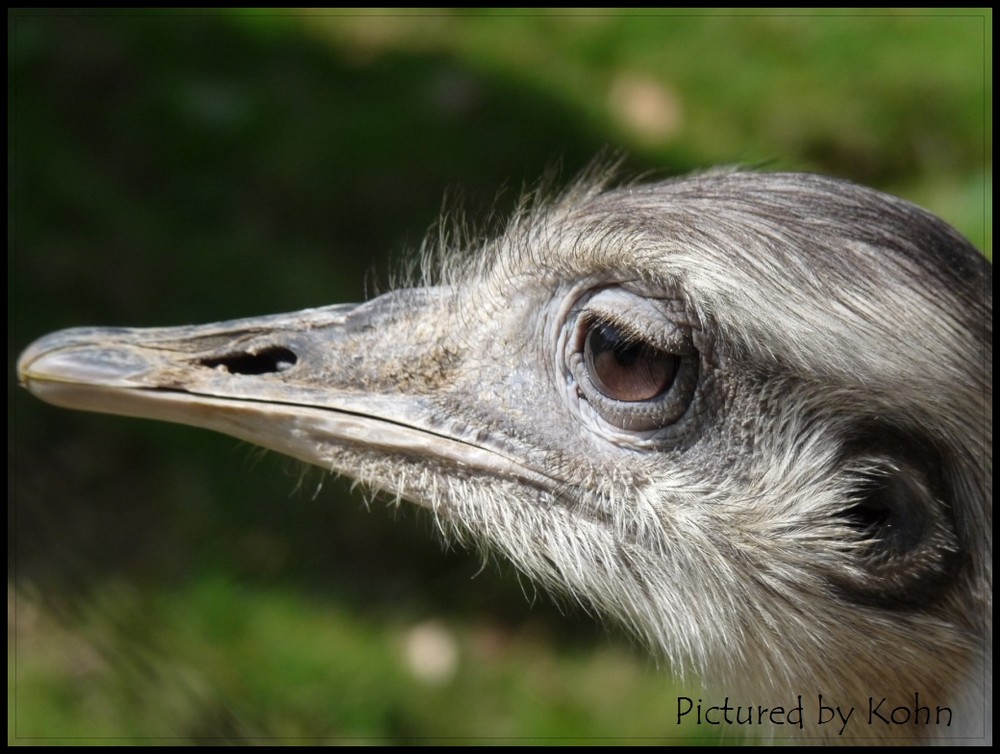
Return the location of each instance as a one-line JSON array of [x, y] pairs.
[[746, 415]]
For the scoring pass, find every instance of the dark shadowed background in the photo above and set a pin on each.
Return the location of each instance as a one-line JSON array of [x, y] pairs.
[[172, 168]]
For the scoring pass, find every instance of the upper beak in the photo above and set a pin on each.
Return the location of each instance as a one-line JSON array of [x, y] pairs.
[[307, 384]]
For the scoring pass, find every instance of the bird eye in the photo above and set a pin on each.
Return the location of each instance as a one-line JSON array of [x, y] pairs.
[[632, 363], [624, 369]]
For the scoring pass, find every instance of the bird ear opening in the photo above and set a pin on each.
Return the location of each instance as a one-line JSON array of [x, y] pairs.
[[908, 549]]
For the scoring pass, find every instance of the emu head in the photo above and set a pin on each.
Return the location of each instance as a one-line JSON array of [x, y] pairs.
[[746, 415]]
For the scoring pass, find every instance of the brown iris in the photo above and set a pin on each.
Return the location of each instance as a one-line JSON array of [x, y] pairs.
[[625, 369]]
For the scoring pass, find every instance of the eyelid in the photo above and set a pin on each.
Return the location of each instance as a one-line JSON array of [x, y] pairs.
[[590, 319], [658, 322]]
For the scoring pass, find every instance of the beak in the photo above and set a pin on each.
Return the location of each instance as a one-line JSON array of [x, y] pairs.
[[310, 385]]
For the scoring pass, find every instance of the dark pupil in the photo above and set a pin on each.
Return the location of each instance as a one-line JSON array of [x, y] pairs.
[[626, 370]]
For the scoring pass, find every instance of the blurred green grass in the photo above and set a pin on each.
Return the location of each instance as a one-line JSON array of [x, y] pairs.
[[181, 167]]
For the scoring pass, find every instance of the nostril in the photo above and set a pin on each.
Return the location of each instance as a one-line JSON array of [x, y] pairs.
[[266, 361]]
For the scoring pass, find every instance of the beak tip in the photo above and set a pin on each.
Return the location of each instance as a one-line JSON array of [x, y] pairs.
[[73, 357]]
